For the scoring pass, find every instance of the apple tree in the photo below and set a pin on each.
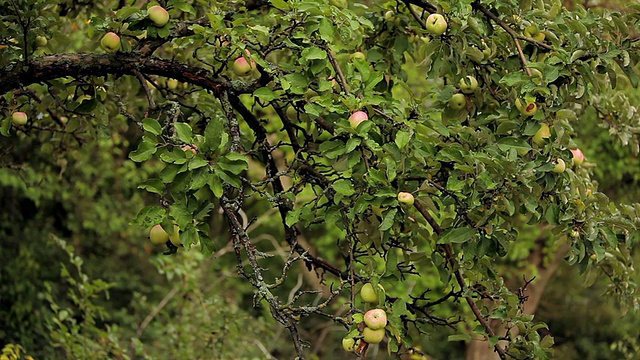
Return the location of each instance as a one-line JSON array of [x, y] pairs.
[[404, 144]]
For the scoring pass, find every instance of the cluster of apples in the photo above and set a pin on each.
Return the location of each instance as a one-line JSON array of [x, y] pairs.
[[540, 139], [467, 86], [159, 236], [158, 15], [375, 321]]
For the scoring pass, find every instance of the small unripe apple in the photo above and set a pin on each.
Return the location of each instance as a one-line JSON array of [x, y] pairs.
[[368, 294], [372, 336], [19, 118], [41, 41], [358, 55], [375, 319], [357, 117], [578, 157], [468, 84], [436, 24], [157, 235], [389, 15], [158, 15], [349, 344], [405, 198], [458, 101], [533, 32], [241, 66], [543, 133], [172, 84], [175, 236], [560, 166], [110, 42]]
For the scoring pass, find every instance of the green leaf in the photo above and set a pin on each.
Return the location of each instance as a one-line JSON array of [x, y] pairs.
[[184, 132], [152, 126], [145, 150], [402, 138], [280, 4], [149, 215], [456, 236], [265, 94], [343, 187], [313, 53], [389, 219], [460, 337], [152, 185], [213, 134], [508, 143]]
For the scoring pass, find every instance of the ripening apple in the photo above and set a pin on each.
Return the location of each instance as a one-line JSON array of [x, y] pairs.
[[158, 15], [358, 117], [458, 101], [468, 84], [349, 344], [578, 157], [358, 55], [372, 336], [405, 198], [436, 24], [528, 109], [543, 133], [157, 235], [560, 166], [368, 294], [19, 118], [110, 42], [41, 41], [375, 319], [242, 67]]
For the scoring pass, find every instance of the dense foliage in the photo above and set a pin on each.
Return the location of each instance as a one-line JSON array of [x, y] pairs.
[[296, 150]]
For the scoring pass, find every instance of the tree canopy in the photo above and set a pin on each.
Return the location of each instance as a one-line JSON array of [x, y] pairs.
[[313, 147]]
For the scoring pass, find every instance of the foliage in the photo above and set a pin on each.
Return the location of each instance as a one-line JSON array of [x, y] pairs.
[[272, 153]]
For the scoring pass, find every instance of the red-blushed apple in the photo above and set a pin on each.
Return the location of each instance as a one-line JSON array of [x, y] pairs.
[[241, 66], [560, 166], [375, 319], [349, 344], [436, 24], [578, 157], [157, 235], [527, 109], [357, 117], [110, 42], [158, 15], [542, 134], [193, 148], [368, 294], [372, 336], [19, 118], [405, 198], [458, 101], [468, 84]]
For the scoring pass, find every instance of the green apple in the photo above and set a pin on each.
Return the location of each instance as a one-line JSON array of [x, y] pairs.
[[157, 235], [536, 76], [560, 166], [349, 344], [175, 236], [375, 319], [405, 198], [358, 55], [578, 157], [389, 15], [357, 117], [172, 84], [343, 4], [41, 41], [241, 66], [458, 101], [372, 336], [468, 84], [436, 24], [158, 15], [532, 31], [528, 109], [368, 294], [110, 42], [19, 118], [543, 133]]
